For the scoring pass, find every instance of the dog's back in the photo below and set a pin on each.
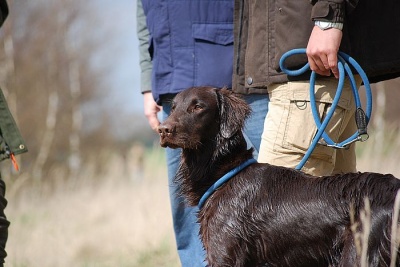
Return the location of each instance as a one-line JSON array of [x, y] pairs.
[[282, 217]]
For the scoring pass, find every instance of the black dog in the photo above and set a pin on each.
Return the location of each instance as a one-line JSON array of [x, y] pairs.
[[268, 215]]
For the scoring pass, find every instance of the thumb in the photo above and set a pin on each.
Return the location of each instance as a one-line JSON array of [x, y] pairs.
[[153, 121]]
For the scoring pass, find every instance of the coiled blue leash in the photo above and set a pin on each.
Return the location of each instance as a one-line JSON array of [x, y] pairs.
[[362, 118]]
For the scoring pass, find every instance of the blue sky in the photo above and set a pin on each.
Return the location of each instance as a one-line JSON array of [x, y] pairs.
[[120, 16]]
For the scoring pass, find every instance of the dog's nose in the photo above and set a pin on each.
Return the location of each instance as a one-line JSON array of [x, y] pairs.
[[164, 129]]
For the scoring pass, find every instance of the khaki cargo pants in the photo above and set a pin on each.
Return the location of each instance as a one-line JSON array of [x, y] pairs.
[[289, 127]]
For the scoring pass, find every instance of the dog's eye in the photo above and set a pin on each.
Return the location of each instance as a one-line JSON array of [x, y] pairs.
[[197, 107], [172, 108]]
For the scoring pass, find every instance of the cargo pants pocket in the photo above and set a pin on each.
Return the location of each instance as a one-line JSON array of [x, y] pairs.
[[299, 128]]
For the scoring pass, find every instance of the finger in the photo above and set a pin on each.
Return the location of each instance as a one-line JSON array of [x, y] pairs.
[[153, 122], [317, 66], [324, 61], [333, 64], [313, 64], [318, 63]]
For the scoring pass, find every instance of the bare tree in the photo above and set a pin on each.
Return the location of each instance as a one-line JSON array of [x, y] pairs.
[[75, 91], [46, 64]]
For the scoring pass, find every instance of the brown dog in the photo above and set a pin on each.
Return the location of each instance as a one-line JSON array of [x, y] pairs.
[[267, 215]]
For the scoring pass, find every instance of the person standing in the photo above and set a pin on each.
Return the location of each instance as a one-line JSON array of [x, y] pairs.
[[265, 30], [11, 144], [185, 44]]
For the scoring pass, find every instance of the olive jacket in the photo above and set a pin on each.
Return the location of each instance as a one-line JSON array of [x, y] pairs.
[[11, 142]]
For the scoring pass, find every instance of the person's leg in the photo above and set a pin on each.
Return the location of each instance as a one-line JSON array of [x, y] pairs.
[[290, 128], [255, 123], [4, 223], [186, 228]]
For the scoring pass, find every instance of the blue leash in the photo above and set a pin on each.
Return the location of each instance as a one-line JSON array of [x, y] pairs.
[[223, 180], [362, 118]]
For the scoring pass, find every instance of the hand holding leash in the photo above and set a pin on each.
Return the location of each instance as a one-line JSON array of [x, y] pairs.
[[362, 118]]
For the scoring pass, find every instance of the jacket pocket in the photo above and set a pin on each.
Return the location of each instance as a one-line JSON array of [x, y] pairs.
[[213, 54]]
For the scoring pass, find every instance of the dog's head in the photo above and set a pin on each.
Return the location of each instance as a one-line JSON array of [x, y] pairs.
[[200, 115]]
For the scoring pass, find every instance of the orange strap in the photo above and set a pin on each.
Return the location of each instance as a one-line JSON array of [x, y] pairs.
[[14, 161]]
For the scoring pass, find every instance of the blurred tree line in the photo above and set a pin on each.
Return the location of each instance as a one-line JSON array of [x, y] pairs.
[[56, 91], [55, 88]]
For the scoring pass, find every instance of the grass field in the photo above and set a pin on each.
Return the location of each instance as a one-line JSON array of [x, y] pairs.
[[119, 220]]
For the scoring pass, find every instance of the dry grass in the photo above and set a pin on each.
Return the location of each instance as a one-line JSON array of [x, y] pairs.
[[380, 153], [123, 218], [114, 222]]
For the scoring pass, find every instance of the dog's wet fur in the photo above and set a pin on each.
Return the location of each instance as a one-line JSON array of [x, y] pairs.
[[268, 215]]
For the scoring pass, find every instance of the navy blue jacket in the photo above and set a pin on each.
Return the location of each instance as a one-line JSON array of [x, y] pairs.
[[191, 44]]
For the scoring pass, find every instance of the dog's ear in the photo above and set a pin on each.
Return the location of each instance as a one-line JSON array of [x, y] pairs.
[[233, 112]]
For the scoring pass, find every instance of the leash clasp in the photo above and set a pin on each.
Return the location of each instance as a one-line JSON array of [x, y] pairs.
[[362, 134], [362, 122]]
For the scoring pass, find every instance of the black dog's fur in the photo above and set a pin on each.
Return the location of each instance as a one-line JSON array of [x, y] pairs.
[[268, 215]]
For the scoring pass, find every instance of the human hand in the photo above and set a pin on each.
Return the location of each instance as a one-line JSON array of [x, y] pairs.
[[322, 49], [150, 110]]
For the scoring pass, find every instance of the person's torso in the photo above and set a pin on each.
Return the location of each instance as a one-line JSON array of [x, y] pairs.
[[268, 29], [191, 43]]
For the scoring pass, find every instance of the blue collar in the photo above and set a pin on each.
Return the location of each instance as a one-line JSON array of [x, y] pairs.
[[223, 180]]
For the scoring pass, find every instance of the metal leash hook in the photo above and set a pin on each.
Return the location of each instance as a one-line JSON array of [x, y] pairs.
[[362, 118]]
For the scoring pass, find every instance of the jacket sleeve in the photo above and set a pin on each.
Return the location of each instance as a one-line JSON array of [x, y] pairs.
[[146, 65], [332, 10], [4, 11]]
